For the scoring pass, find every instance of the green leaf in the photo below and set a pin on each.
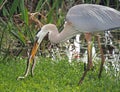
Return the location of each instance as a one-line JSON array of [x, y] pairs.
[[14, 7], [19, 36], [1, 1], [24, 12], [26, 16], [39, 5], [5, 12]]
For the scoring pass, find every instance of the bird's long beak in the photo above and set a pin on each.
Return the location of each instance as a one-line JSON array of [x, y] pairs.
[[39, 37]]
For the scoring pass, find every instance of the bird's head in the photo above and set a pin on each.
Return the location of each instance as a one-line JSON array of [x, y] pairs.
[[39, 37]]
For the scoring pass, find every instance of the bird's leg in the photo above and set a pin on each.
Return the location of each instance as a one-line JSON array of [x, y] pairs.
[[89, 65], [102, 56], [89, 48]]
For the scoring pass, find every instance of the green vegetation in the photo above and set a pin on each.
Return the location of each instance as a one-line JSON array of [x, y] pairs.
[[51, 76]]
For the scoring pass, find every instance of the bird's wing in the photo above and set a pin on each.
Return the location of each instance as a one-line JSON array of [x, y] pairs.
[[90, 17]]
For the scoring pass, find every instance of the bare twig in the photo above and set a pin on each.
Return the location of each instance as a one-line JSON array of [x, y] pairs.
[[32, 19]]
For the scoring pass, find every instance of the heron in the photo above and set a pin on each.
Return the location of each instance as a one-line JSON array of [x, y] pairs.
[[88, 19]]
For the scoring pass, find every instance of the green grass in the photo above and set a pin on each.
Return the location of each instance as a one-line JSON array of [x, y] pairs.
[[51, 76]]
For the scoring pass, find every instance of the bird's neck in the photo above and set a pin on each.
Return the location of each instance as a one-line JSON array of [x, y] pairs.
[[65, 34]]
